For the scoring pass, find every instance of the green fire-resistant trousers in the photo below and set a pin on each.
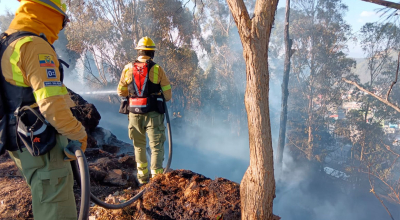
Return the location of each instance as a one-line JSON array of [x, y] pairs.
[[51, 182], [151, 123]]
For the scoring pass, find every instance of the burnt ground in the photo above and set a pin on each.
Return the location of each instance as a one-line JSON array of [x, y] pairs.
[[109, 174], [15, 196], [179, 194]]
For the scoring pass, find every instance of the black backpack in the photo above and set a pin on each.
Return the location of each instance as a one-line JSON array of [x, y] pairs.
[[5, 41]]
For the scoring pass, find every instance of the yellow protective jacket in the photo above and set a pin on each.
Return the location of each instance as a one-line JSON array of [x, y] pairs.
[[156, 77], [32, 62]]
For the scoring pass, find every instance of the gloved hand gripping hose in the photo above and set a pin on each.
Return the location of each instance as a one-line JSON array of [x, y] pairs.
[[85, 177]]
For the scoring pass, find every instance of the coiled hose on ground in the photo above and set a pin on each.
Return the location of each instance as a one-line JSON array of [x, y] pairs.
[[82, 177]]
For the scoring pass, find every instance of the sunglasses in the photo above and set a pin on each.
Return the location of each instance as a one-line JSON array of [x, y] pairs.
[[65, 21]]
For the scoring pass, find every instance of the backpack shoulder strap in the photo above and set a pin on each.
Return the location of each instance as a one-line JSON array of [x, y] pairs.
[[6, 40], [150, 63]]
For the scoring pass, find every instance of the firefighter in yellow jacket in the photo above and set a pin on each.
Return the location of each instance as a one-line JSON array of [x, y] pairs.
[[32, 78], [142, 82]]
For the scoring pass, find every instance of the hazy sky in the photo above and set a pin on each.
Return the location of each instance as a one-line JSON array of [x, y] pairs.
[[359, 13]]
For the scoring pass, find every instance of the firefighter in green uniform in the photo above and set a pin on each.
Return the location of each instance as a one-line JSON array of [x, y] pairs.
[[31, 76], [143, 82]]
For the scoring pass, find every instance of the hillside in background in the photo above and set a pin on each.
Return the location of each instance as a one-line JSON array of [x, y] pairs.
[[361, 69]]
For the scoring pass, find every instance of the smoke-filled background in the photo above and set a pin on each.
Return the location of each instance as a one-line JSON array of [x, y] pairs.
[[341, 144]]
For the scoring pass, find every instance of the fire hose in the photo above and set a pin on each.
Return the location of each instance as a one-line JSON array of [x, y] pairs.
[[82, 177]]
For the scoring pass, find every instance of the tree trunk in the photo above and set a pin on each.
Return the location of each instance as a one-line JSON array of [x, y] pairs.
[[310, 140], [371, 74], [285, 91], [366, 113], [362, 149], [257, 189]]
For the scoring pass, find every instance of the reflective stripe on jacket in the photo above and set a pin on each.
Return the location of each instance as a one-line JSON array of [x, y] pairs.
[[31, 62]]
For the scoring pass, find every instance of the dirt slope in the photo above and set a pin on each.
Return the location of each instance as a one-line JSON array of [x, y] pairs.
[[15, 196], [179, 194]]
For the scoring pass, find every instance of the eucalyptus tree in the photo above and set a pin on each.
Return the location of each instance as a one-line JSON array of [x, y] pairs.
[[257, 188], [105, 33], [379, 43], [223, 94], [320, 36], [285, 88]]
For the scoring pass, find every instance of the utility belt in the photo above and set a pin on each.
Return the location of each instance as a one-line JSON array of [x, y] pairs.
[[142, 105], [35, 133]]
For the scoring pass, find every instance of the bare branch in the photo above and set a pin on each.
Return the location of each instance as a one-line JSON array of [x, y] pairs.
[[395, 160], [395, 107], [390, 187], [91, 71], [194, 7], [384, 3], [395, 81], [376, 195], [181, 8]]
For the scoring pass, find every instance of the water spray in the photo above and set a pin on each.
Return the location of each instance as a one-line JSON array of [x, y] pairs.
[[106, 92]]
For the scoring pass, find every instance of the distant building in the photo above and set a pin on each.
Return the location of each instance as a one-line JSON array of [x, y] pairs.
[[336, 117], [340, 114], [347, 106], [336, 173]]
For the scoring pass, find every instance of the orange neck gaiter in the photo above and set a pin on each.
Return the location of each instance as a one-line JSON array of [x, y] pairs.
[[36, 18]]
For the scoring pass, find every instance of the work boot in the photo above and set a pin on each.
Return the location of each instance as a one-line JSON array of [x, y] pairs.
[[142, 182], [143, 175], [156, 172]]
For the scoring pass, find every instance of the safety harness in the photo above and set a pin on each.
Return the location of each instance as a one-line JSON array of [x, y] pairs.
[[21, 123], [145, 95]]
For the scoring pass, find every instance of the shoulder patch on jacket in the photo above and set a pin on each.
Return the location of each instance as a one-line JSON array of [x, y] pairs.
[[51, 74], [52, 83], [46, 60]]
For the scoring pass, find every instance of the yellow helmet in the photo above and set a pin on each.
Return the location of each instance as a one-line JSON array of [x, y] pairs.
[[58, 5], [146, 43]]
